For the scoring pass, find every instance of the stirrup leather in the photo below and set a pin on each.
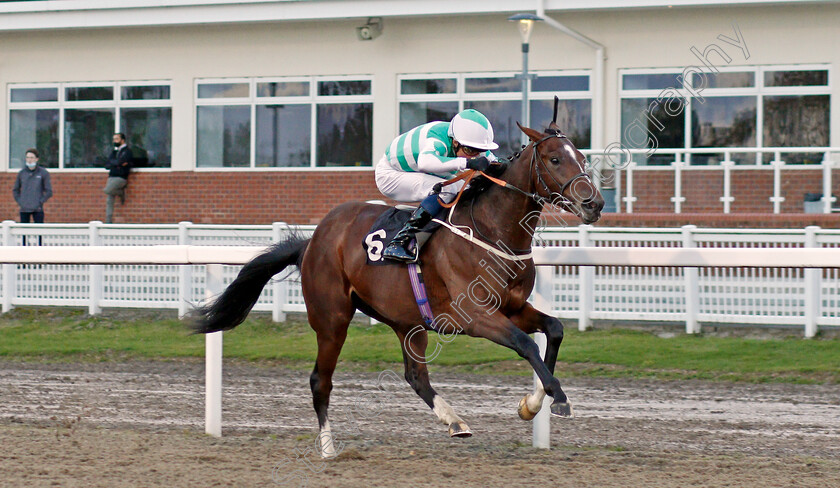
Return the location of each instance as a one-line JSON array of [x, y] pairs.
[[398, 247]]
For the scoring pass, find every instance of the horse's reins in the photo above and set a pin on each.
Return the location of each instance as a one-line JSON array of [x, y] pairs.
[[468, 176]]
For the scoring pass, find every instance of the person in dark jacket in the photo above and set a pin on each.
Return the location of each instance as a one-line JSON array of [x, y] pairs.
[[32, 189], [118, 166]]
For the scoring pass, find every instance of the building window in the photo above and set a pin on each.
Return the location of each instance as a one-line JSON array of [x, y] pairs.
[[739, 107], [284, 122], [71, 124], [426, 98]]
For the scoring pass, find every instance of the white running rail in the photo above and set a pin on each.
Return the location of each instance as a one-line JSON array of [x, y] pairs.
[[809, 261]]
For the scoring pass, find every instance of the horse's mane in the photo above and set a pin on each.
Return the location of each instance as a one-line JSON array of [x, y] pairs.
[[480, 184]]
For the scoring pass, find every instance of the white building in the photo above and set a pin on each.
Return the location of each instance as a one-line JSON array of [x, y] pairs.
[[232, 87]]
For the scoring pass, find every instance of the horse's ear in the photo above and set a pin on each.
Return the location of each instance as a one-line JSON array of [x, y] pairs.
[[531, 133], [553, 128]]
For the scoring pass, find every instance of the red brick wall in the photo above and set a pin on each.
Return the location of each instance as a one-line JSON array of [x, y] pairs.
[[719, 220], [703, 189], [304, 197], [202, 197]]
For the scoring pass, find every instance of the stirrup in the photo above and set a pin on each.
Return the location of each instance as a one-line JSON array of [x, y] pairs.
[[397, 252]]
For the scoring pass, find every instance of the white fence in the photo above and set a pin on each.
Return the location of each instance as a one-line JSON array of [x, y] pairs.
[[552, 260], [131, 285], [613, 163], [730, 294]]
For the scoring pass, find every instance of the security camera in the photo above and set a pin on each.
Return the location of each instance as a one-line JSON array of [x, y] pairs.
[[371, 30]]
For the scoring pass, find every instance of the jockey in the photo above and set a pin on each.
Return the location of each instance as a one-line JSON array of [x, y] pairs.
[[425, 156]]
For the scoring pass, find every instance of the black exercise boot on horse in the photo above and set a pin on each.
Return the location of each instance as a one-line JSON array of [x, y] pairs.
[[337, 281]]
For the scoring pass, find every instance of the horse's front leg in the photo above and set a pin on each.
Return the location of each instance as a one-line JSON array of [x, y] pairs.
[[530, 320], [414, 344], [503, 331]]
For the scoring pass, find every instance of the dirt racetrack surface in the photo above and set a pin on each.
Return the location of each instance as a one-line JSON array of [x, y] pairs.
[[140, 424]]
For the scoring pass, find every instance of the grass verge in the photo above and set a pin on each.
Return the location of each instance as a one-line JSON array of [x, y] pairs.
[[62, 334]]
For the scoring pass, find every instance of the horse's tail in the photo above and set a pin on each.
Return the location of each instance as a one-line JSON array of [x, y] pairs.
[[231, 307]]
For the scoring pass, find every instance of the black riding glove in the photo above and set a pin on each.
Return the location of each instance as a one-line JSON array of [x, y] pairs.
[[480, 163]]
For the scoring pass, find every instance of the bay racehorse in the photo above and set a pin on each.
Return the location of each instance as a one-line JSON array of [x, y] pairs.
[[479, 288]]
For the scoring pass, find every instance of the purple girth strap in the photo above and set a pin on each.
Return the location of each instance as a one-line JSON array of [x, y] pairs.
[[419, 289]]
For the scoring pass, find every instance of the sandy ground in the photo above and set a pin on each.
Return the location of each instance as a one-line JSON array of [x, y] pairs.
[[141, 424]]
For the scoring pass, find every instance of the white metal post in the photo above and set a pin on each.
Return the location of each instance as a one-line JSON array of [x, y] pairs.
[[8, 269], [813, 287], [692, 286], [279, 288], [827, 197], [543, 299], [541, 436], [213, 360], [727, 197], [587, 282], [777, 197], [97, 272], [184, 273], [629, 199], [677, 199]]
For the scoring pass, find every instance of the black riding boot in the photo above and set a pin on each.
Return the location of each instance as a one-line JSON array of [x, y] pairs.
[[398, 248]]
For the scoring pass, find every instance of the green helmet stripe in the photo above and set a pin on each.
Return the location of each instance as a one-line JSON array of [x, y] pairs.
[[476, 116]]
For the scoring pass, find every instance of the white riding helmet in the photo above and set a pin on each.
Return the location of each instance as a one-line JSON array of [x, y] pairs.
[[471, 128]]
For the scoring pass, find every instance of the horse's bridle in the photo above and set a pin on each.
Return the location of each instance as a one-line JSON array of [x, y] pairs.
[[535, 160], [536, 197]]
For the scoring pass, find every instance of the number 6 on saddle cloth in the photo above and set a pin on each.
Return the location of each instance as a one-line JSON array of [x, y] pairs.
[[386, 227]]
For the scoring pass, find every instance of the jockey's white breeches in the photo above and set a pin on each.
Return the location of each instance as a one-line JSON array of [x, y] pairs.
[[407, 186]]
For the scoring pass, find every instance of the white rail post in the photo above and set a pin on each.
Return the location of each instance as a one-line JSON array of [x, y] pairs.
[[278, 287], [8, 269], [777, 197], [813, 287], [213, 360], [827, 197], [587, 282], [727, 197], [629, 199], [543, 299], [677, 199], [692, 285], [97, 272], [184, 273]]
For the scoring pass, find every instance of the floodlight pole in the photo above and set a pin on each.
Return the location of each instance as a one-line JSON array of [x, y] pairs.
[[525, 78], [526, 24]]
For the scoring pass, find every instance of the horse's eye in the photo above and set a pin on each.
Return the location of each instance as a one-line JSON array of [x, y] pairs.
[[555, 161]]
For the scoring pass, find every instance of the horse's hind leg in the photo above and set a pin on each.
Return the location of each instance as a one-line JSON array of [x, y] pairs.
[[414, 357], [531, 320], [330, 324]]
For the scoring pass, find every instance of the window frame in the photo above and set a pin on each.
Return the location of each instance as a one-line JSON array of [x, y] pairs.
[[759, 91], [61, 104], [460, 95], [313, 99]]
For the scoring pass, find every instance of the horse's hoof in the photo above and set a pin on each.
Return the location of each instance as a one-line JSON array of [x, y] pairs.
[[459, 429], [524, 412], [562, 409]]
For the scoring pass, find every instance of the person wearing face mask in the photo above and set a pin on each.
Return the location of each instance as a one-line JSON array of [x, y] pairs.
[[118, 166], [32, 189]]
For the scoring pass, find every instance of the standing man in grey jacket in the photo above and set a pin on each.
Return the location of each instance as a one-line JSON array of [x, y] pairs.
[[32, 189]]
